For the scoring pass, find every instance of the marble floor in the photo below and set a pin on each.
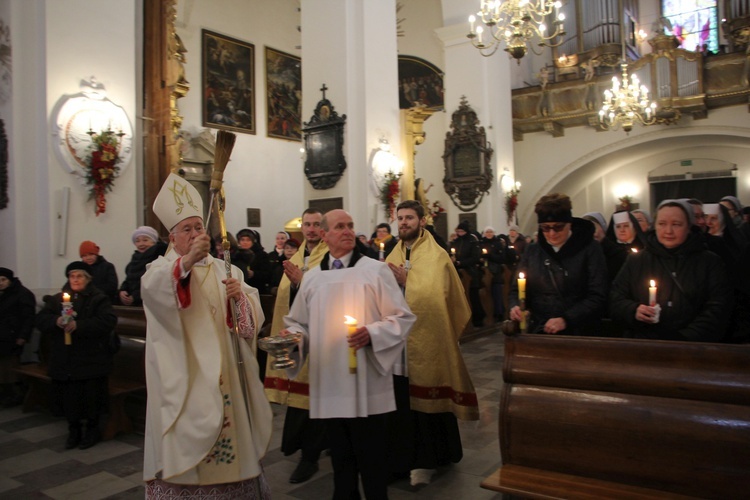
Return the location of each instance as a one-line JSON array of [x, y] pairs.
[[34, 464]]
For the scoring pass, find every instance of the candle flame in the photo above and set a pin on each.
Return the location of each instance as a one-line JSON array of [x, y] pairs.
[[634, 250], [652, 283], [66, 296], [349, 320], [521, 276]]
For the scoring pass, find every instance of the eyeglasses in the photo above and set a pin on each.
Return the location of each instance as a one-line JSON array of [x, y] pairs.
[[559, 227]]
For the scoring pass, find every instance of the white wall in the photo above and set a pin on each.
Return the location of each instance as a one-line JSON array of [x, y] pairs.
[[264, 172]]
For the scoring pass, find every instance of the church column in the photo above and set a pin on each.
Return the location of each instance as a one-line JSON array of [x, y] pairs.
[[485, 81], [350, 46]]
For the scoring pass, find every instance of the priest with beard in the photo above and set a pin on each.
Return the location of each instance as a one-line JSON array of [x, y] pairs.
[[425, 429]]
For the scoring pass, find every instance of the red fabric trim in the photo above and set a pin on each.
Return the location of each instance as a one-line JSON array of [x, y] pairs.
[[229, 314], [181, 286], [284, 385], [432, 393]]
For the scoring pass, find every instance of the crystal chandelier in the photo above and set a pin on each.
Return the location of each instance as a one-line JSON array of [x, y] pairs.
[[626, 104], [517, 23]]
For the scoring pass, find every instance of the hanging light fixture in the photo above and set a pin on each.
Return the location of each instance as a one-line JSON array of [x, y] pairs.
[[518, 23], [626, 104]]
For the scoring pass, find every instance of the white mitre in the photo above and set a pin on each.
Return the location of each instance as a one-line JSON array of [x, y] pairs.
[[177, 200]]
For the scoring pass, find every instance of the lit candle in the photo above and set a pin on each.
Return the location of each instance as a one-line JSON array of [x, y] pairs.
[[351, 323], [521, 286], [634, 250], [652, 293], [484, 252], [453, 251], [381, 254], [67, 308], [66, 297]]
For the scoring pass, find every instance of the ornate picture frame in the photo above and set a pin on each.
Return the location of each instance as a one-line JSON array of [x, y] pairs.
[[228, 83], [283, 95], [324, 145], [420, 84], [467, 155]]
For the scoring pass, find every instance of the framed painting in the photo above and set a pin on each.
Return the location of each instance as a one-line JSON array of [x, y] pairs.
[[228, 83], [283, 95], [420, 83]]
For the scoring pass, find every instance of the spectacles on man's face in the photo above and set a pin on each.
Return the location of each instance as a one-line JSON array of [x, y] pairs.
[[558, 228]]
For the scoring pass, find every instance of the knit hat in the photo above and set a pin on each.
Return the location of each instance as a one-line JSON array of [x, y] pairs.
[[464, 225], [79, 265], [514, 227], [247, 233], [177, 200], [292, 242], [684, 205], [734, 201], [147, 231], [596, 217], [7, 273], [489, 228], [88, 247]]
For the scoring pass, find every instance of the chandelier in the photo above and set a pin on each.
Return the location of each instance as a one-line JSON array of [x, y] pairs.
[[517, 23], [626, 104]]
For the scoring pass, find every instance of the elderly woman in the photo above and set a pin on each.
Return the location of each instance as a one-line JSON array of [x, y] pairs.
[[625, 232], [148, 248], [566, 276], [17, 310], [693, 297], [643, 218], [80, 359]]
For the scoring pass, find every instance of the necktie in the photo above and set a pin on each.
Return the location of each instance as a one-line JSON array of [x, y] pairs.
[[337, 264]]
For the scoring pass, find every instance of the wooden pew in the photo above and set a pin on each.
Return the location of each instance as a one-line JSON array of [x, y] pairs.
[[584, 417]]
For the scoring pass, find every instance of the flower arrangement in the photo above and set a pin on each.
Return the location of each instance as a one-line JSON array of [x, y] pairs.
[[511, 203], [389, 191], [436, 209], [625, 201], [102, 166]]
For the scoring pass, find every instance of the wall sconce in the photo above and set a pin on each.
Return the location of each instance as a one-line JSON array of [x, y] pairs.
[[506, 181], [384, 161]]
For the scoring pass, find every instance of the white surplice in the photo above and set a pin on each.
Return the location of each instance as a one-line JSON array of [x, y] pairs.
[[369, 293]]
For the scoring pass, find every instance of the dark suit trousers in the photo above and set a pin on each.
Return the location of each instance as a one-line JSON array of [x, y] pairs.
[[359, 447]]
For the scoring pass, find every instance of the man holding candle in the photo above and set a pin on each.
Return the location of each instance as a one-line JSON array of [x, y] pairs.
[[300, 432], [205, 432], [438, 388], [353, 405], [690, 283], [566, 287]]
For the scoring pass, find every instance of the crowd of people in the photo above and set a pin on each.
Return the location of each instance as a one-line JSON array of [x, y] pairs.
[[382, 394]]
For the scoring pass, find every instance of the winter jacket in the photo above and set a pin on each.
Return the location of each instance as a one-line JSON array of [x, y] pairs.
[[88, 356], [570, 284], [692, 290], [17, 310], [137, 268], [105, 277]]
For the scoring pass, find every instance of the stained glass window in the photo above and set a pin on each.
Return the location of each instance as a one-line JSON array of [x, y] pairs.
[[694, 23]]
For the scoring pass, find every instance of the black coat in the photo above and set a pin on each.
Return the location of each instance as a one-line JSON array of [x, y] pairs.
[[255, 260], [105, 277], [498, 256], [570, 284], [137, 268], [692, 289], [17, 310], [88, 356], [468, 255]]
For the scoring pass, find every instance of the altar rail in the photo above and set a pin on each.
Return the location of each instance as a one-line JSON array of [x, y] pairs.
[[584, 417]]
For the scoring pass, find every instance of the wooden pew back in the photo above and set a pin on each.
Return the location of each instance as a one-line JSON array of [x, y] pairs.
[[668, 416]]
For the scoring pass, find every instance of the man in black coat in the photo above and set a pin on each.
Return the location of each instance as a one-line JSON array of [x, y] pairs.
[[566, 287], [17, 310]]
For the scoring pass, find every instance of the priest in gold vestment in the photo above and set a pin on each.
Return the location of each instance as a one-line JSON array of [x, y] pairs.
[[439, 386]]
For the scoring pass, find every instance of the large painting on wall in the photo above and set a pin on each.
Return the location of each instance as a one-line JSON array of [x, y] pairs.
[[284, 95], [420, 83], [228, 83]]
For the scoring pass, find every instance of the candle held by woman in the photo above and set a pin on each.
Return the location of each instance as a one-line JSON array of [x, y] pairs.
[[652, 293], [521, 286], [351, 323]]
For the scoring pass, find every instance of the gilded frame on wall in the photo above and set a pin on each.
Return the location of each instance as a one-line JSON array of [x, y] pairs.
[[228, 83], [283, 95], [324, 145]]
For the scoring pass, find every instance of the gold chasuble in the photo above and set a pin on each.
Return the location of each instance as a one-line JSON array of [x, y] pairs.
[[438, 379], [279, 389]]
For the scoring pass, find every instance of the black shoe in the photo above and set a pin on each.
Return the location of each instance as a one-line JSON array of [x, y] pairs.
[[91, 437], [304, 471], [74, 437]]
